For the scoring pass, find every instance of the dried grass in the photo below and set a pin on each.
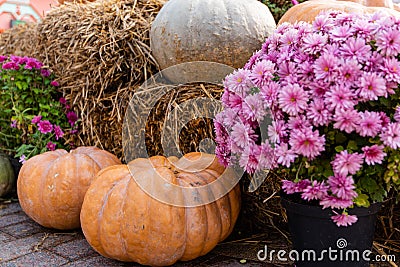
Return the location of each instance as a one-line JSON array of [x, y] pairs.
[[100, 52]]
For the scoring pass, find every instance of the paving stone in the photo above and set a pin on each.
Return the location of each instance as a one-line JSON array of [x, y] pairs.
[[99, 261], [37, 259], [5, 237], [10, 219], [23, 229], [19, 247], [75, 249], [10, 208]]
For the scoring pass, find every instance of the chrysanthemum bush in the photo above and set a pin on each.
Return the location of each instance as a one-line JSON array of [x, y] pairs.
[[332, 91], [34, 117]]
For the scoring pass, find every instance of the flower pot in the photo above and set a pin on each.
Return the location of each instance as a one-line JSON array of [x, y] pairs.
[[320, 242]]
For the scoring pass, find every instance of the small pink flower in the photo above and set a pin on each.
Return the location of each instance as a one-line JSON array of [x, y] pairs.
[[54, 83], [36, 119], [344, 219], [10, 66], [72, 117], [390, 136], [335, 202], [62, 100], [284, 156], [307, 142], [342, 186], [292, 99], [345, 163], [374, 154], [45, 73], [13, 124], [317, 190], [51, 146], [22, 159], [58, 132], [370, 124], [45, 127]]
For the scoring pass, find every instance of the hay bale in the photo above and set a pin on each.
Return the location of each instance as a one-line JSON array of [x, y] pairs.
[[21, 40], [100, 52]]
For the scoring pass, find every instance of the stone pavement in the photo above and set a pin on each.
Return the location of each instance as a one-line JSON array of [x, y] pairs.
[[25, 243]]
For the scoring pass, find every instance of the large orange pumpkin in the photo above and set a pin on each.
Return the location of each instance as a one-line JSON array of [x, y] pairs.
[[307, 11], [123, 222], [51, 186]]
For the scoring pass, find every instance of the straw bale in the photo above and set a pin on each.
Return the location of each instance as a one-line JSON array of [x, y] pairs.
[[20, 40], [100, 52]]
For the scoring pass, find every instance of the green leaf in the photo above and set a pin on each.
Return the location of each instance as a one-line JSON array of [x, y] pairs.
[[352, 145], [339, 148], [362, 200], [340, 138]]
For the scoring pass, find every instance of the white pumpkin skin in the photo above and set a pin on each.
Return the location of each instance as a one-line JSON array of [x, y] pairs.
[[223, 31]]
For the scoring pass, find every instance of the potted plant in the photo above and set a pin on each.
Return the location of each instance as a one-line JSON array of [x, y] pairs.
[[331, 92], [34, 117]]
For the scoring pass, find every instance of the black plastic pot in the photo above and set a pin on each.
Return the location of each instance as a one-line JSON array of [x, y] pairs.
[[319, 242]]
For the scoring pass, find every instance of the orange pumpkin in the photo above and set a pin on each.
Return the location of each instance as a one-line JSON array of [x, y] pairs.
[[51, 186], [123, 222], [307, 11]]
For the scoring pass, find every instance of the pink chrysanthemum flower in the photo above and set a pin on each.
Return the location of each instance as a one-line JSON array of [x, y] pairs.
[[396, 115], [36, 119], [388, 42], [340, 97], [254, 108], [342, 186], [344, 219], [346, 120], [51, 146], [326, 67], [342, 32], [391, 69], [307, 142], [58, 132], [372, 86], [390, 136], [313, 43], [290, 187], [261, 72], [335, 202], [45, 127], [317, 190], [298, 123], [356, 48], [317, 112], [250, 158], [277, 131], [284, 155], [350, 71], [239, 81], [374, 154], [242, 134], [292, 99], [345, 163], [370, 124]]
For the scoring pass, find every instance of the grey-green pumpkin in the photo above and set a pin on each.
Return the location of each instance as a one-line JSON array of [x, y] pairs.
[[7, 176], [223, 31]]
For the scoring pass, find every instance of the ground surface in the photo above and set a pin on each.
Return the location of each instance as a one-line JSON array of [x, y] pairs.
[[25, 243]]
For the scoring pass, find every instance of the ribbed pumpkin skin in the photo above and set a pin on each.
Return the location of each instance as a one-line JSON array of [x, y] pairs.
[[122, 222], [51, 186], [7, 176], [307, 11], [223, 31]]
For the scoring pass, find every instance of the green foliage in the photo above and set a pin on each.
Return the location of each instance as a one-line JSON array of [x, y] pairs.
[[279, 7], [28, 91]]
